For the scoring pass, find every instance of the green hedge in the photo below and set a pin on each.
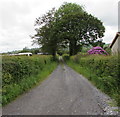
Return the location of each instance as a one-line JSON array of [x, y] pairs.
[[66, 57], [15, 68], [103, 71], [19, 73]]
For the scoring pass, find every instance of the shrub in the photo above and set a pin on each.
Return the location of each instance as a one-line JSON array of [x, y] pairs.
[[97, 50], [17, 68], [66, 57]]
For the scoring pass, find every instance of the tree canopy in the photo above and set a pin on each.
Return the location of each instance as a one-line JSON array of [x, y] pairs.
[[68, 27]]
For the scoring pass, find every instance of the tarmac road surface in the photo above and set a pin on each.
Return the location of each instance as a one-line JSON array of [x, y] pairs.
[[65, 92]]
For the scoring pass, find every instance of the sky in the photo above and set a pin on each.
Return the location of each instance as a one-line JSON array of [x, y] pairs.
[[17, 19]]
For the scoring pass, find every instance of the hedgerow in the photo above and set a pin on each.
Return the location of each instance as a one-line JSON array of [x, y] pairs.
[[19, 73], [102, 70]]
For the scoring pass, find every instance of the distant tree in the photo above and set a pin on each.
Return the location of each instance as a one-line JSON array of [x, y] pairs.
[[25, 49]]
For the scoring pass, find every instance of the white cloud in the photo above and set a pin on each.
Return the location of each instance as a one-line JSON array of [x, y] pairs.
[[110, 33], [17, 19]]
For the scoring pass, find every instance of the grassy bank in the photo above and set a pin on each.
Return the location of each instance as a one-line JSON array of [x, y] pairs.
[[22, 73], [102, 71]]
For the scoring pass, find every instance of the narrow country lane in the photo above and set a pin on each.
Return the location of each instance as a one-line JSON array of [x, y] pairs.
[[65, 92]]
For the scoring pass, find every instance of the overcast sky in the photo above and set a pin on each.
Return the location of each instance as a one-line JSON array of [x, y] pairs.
[[17, 19]]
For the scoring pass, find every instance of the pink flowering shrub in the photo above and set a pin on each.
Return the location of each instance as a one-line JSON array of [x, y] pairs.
[[97, 50]]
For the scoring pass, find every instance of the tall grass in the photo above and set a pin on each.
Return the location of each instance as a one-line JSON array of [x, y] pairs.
[[102, 71], [22, 73]]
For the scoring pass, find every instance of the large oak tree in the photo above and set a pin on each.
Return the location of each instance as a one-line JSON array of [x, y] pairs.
[[69, 26]]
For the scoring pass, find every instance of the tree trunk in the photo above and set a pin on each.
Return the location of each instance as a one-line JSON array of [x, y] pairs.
[[73, 48], [70, 49], [53, 53]]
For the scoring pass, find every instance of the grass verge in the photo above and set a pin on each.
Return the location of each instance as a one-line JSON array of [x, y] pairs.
[[106, 83]]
